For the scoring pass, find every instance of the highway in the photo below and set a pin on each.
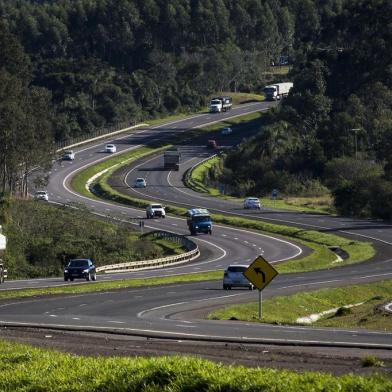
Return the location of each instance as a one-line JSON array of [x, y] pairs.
[[178, 310]]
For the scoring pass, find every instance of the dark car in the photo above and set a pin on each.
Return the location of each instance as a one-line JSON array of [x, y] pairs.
[[80, 269]]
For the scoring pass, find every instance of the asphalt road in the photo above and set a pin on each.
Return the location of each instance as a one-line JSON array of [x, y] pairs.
[[176, 311]]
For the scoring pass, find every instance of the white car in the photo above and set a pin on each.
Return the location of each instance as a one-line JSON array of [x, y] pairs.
[[140, 183], [153, 210], [110, 148], [226, 131], [234, 277], [252, 202], [69, 155], [41, 195]]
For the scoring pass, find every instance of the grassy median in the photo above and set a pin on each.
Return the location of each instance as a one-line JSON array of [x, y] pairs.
[[367, 312], [24, 368]]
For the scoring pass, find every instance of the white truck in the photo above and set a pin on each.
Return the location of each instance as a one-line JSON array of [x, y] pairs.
[[3, 243], [220, 104], [277, 91]]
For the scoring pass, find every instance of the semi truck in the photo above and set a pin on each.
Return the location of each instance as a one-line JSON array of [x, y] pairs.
[[171, 159], [3, 243], [277, 91], [220, 104], [199, 221]]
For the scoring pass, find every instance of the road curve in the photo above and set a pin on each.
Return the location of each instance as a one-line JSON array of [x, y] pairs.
[[174, 310]]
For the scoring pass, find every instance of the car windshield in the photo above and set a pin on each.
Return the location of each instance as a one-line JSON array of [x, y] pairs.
[[139, 180], [110, 146], [68, 153], [270, 90], [156, 206], [201, 218], [236, 269], [78, 263], [40, 193], [215, 102]]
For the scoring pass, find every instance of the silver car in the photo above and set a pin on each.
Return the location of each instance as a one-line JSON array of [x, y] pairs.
[[234, 277], [252, 202], [41, 195]]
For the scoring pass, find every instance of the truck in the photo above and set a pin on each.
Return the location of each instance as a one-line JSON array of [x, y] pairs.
[[171, 159], [3, 243], [220, 104], [199, 221], [277, 91]]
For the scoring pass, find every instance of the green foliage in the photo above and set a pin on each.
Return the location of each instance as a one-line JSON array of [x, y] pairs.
[[41, 239], [28, 368]]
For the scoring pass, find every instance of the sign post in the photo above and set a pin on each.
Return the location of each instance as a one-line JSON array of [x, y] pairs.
[[260, 273], [141, 225]]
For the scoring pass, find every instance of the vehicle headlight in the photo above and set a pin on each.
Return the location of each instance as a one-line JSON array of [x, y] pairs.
[[196, 227], [209, 226], [85, 271], [66, 271]]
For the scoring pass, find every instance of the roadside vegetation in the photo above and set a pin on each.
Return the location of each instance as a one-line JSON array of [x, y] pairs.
[[80, 288], [367, 312], [54, 371], [202, 179], [42, 238]]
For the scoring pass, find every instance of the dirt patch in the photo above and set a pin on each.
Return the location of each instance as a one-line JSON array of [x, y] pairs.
[[336, 361]]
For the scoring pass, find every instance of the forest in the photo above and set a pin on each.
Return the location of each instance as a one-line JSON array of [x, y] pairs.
[[71, 66]]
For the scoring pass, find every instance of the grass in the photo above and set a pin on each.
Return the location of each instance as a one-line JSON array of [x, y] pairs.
[[287, 309], [71, 289], [31, 369], [319, 205]]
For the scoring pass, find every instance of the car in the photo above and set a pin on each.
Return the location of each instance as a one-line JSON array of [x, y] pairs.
[[110, 148], [252, 202], [226, 131], [140, 183], [212, 144], [69, 155], [80, 269], [234, 277], [155, 209], [41, 195]]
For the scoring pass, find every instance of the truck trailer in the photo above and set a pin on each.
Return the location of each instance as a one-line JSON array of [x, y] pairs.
[[171, 159], [220, 104], [277, 91]]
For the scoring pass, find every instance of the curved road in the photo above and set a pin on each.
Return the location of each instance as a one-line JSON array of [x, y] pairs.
[[175, 310]]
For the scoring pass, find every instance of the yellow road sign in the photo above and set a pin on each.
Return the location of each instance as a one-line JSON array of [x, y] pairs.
[[260, 273]]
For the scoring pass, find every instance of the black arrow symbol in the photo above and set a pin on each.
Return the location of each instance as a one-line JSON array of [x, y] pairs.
[[259, 271]]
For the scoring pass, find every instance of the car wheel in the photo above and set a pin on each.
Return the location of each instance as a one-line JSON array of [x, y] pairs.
[[229, 287], [163, 216], [251, 287], [94, 276], [71, 279], [210, 232], [224, 287], [65, 279], [88, 277]]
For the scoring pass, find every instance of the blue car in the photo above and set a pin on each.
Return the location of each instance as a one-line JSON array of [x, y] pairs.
[[80, 269]]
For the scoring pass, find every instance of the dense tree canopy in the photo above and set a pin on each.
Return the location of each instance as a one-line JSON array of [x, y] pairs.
[[69, 66]]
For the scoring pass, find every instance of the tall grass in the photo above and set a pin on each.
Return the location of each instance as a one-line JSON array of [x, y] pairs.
[[23, 368]]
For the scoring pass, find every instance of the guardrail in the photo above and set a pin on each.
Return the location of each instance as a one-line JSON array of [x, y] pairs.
[[192, 254]]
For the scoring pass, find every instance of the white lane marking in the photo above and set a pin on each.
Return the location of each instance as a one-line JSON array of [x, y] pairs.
[[185, 326], [116, 322], [143, 312], [83, 305], [243, 338], [52, 315], [75, 318]]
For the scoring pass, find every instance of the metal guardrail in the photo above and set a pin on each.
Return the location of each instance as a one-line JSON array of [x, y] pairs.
[[193, 253]]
